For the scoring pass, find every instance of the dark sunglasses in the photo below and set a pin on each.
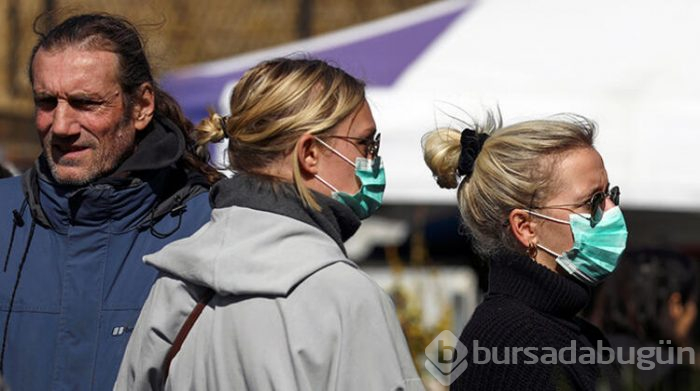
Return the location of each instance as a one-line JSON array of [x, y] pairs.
[[369, 144], [595, 204]]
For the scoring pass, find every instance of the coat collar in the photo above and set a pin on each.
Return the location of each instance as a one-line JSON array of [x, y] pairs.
[[125, 198], [255, 192]]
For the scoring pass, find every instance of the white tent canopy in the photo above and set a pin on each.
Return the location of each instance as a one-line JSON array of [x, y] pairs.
[[632, 66]]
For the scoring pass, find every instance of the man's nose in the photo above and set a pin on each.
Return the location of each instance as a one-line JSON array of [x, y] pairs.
[[64, 121]]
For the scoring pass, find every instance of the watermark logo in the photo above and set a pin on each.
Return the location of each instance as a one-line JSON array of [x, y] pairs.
[[446, 358]]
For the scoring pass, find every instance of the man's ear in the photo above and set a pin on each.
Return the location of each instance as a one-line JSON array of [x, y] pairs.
[[144, 106], [308, 153], [523, 227]]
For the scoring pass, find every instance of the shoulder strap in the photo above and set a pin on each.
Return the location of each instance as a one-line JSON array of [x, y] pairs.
[[184, 330]]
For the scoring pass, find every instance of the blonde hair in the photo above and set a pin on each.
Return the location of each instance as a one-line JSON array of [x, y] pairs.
[[273, 105], [514, 169]]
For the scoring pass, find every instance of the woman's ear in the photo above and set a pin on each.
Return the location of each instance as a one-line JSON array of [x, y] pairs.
[[523, 227], [676, 309], [144, 106], [307, 154]]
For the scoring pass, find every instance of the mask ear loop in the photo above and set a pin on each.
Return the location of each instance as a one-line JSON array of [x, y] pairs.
[[550, 218], [548, 251], [326, 183], [530, 250], [334, 151]]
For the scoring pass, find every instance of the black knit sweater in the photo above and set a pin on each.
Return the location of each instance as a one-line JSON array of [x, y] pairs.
[[529, 306]]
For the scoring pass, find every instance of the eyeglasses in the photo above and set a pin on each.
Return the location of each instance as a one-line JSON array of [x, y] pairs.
[[369, 144], [595, 204]]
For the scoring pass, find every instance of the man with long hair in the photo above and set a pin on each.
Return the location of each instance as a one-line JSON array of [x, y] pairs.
[[116, 180]]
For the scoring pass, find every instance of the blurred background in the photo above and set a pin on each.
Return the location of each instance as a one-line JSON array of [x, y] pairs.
[[179, 32], [632, 66]]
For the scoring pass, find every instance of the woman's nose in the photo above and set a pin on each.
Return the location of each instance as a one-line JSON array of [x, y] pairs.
[[609, 204]]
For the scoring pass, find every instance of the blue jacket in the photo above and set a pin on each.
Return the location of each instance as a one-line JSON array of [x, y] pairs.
[[72, 279]]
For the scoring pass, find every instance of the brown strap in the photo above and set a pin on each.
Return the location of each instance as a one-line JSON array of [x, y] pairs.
[[184, 330]]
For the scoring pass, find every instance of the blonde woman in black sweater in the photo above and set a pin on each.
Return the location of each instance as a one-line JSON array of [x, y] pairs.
[[536, 200]]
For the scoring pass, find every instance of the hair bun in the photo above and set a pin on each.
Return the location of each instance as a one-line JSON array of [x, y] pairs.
[[471, 143]]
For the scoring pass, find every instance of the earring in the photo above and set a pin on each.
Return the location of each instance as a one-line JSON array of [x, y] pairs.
[[532, 251]]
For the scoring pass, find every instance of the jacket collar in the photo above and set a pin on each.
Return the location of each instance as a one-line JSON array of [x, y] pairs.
[[261, 240], [126, 197]]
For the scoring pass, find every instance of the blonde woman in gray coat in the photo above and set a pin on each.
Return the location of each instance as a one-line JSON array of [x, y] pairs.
[[282, 307]]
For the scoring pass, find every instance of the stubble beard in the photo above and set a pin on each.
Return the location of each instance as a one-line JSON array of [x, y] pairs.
[[107, 156]]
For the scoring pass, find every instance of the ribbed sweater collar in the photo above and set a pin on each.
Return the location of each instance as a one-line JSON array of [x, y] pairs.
[[536, 286]]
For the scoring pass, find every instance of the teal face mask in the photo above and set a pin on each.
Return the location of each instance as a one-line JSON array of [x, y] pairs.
[[596, 250], [370, 172]]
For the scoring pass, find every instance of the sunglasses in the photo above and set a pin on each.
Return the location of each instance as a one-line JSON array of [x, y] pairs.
[[369, 147], [595, 204]]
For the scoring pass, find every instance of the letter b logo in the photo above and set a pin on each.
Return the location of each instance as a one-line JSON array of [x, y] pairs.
[[446, 358], [446, 354]]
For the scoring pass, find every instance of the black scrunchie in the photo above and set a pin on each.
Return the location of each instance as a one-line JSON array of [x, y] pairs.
[[472, 143]]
